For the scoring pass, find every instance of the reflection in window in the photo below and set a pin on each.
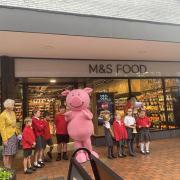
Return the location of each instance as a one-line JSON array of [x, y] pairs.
[[150, 93]]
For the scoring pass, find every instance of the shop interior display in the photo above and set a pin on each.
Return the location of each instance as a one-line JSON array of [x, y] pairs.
[[148, 91], [44, 104], [172, 95], [120, 103], [18, 110], [104, 102], [46, 96], [153, 102], [172, 98], [170, 109]]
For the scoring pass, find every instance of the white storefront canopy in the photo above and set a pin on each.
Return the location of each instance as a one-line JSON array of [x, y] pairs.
[[45, 34]]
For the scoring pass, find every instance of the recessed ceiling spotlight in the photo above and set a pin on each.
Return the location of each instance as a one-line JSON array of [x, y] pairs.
[[52, 80]]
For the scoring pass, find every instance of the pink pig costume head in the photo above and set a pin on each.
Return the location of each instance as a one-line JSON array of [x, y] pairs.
[[79, 118], [77, 99]]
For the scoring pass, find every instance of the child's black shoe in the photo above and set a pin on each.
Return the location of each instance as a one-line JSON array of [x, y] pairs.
[[142, 152], [28, 171], [41, 163], [37, 165], [120, 155], [110, 157], [132, 154], [58, 157], [47, 160], [49, 154], [113, 156], [32, 168]]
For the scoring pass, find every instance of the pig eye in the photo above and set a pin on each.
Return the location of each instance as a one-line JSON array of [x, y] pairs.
[[72, 94], [78, 94]]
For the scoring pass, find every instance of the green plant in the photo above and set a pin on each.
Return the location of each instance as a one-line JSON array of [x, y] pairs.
[[5, 174]]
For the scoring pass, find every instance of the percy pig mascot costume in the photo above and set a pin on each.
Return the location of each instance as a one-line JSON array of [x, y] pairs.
[[79, 118]]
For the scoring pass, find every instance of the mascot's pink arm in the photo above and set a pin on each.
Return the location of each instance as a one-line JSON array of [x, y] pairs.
[[68, 116], [88, 114]]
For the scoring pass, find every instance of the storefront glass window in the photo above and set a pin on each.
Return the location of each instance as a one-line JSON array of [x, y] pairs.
[[18, 107], [150, 93], [46, 95], [113, 91], [173, 102]]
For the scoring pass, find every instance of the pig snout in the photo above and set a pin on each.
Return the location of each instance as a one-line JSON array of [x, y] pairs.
[[76, 102]]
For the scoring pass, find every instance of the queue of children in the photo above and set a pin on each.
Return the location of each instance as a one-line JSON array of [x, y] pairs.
[[123, 133], [36, 136]]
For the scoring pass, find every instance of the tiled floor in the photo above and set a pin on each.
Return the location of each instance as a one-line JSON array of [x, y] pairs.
[[162, 164]]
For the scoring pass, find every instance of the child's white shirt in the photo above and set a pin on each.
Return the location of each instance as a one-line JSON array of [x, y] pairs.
[[129, 120], [107, 125]]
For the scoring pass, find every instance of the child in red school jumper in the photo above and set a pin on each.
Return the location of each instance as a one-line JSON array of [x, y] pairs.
[[47, 135], [38, 128], [61, 133], [28, 142], [143, 123], [120, 135]]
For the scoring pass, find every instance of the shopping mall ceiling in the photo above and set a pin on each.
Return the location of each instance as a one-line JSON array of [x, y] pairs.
[[20, 44]]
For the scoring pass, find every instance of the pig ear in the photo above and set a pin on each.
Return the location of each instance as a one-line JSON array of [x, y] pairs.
[[88, 90], [65, 93]]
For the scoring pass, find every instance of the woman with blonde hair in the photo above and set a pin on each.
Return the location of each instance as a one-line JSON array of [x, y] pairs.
[[8, 132]]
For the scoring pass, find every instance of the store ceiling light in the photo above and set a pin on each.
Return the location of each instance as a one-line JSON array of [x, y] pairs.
[[52, 80]]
